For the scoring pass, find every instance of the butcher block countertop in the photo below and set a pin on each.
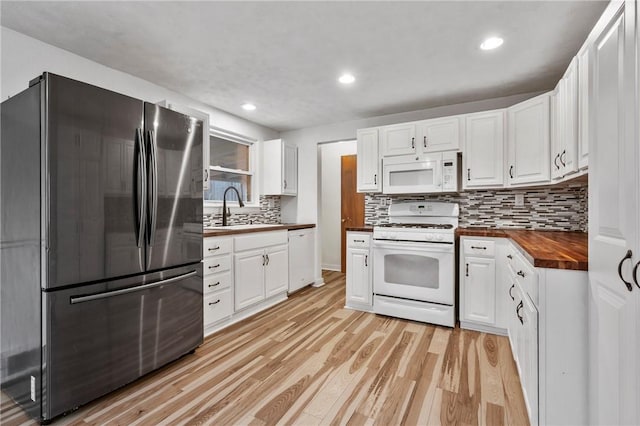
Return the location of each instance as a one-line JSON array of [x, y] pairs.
[[544, 249], [256, 228]]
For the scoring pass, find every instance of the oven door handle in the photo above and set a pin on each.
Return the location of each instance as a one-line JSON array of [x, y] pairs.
[[415, 246]]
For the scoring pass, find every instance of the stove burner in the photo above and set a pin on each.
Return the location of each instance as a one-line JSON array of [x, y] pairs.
[[416, 225]]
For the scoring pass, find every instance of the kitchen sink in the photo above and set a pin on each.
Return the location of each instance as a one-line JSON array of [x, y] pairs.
[[232, 227]]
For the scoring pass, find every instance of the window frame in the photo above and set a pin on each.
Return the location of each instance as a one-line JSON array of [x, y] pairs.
[[253, 166]]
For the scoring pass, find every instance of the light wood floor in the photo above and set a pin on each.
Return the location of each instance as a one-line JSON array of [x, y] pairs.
[[309, 361]]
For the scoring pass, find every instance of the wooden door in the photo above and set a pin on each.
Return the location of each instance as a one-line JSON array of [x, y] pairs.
[[352, 203], [613, 223]]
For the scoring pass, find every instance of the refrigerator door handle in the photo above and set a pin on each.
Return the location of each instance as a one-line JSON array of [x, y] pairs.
[[153, 184], [106, 294], [140, 177]]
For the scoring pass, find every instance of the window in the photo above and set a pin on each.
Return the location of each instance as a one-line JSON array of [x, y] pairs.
[[231, 163]]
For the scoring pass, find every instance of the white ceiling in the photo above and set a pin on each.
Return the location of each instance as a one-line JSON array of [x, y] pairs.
[[286, 56]]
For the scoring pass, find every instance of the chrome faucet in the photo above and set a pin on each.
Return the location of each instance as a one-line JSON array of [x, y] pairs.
[[224, 204]]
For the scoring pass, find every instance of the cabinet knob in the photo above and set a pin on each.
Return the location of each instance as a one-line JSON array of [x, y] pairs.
[[521, 273]]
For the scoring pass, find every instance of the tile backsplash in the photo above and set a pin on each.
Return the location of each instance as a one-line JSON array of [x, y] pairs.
[[558, 207], [269, 213]]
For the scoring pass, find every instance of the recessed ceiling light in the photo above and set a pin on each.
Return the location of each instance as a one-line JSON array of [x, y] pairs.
[[248, 107], [491, 43], [346, 78]]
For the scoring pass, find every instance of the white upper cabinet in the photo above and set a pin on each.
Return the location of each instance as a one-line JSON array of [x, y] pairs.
[[528, 141], [483, 157], [399, 139], [368, 161], [583, 107], [440, 134], [564, 124], [279, 168]]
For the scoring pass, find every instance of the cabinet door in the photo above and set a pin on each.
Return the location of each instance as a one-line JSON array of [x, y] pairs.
[[556, 126], [399, 139], [530, 356], [276, 270], [359, 289], [480, 290], [569, 154], [528, 143], [484, 149], [440, 134], [368, 161], [613, 222], [249, 278], [290, 172], [583, 108]]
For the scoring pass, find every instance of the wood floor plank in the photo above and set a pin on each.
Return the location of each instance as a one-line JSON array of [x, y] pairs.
[[310, 361]]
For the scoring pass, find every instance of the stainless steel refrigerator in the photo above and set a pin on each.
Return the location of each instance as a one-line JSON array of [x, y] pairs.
[[100, 242]]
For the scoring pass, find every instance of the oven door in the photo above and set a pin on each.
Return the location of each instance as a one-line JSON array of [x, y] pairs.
[[416, 271], [407, 175]]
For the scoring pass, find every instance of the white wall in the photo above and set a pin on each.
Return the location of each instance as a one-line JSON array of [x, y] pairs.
[[24, 58], [329, 224], [304, 207]]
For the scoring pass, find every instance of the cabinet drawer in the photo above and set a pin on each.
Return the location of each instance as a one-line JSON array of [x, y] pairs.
[[358, 240], [213, 265], [215, 246], [526, 276], [215, 282], [479, 247], [260, 240], [217, 306]]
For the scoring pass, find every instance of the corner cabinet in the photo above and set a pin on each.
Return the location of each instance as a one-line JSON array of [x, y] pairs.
[[359, 272], [528, 142], [368, 161], [483, 156], [564, 124], [279, 168]]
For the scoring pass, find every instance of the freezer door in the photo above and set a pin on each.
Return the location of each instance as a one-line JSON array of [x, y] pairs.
[[94, 183], [174, 167], [103, 336]]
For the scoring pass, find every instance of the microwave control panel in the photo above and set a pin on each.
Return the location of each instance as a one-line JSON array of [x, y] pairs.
[[449, 171]]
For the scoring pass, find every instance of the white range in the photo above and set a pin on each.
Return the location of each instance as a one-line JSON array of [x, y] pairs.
[[414, 262]]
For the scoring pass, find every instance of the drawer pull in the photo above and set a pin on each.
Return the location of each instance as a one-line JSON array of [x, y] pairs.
[[214, 303], [214, 266], [509, 257], [478, 248], [512, 286], [214, 284], [214, 248], [358, 241], [520, 273]]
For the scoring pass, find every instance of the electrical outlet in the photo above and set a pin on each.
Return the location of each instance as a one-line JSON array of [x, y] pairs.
[[519, 200]]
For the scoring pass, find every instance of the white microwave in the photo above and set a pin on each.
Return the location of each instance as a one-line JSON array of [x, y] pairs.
[[421, 174]]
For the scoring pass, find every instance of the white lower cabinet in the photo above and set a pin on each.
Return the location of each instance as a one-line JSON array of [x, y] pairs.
[[478, 290], [243, 274], [301, 258], [276, 270], [544, 314], [261, 263], [359, 271], [249, 288]]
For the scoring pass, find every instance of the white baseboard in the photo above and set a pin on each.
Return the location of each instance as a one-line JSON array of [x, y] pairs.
[[330, 267], [319, 282]]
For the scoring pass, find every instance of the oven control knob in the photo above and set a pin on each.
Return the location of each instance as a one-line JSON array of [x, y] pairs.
[[428, 237], [439, 237]]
